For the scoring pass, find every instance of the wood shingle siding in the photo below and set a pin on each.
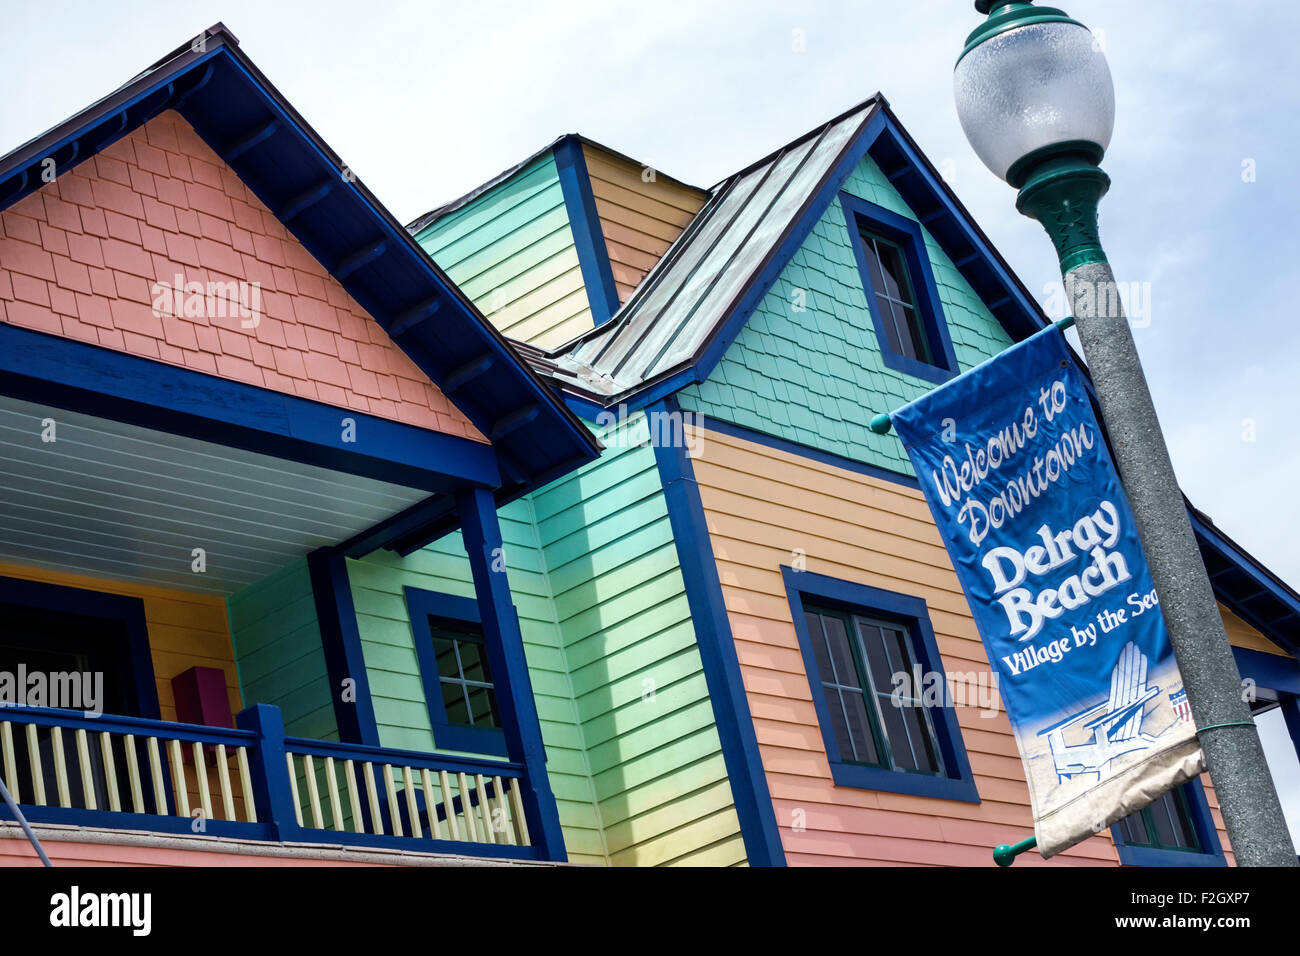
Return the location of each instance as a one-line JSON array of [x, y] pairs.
[[85, 257]]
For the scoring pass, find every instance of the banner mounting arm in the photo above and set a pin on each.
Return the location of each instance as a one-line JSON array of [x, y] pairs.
[[1005, 855]]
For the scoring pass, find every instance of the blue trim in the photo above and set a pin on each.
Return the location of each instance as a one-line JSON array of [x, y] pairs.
[[292, 171], [717, 648], [1269, 670], [505, 650], [129, 611], [1198, 810], [780, 256], [1256, 584], [912, 613], [859, 215], [420, 605], [588, 237], [49, 369], [955, 231], [806, 451], [340, 638]]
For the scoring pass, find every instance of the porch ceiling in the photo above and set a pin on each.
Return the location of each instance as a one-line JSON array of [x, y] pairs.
[[120, 501]]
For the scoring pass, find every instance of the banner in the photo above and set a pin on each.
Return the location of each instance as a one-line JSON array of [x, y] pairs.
[[1013, 464]]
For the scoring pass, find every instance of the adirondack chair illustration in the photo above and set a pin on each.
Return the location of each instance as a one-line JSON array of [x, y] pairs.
[[1116, 723]]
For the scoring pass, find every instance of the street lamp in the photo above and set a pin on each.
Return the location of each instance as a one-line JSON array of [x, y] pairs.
[[1036, 101]]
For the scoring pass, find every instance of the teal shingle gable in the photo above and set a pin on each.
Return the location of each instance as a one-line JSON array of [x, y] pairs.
[[825, 363]]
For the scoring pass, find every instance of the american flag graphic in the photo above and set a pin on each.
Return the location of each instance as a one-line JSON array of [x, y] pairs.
[[1181, 707]]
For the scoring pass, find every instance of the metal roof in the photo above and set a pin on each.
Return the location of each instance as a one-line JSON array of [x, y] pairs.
[[697, 284]]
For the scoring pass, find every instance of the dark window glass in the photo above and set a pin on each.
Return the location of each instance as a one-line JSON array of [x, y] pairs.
[[895, 298], [1164, 825], [871, 725], [468, 694]]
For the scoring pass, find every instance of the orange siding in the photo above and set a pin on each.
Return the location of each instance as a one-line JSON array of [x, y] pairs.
[[83, 257], [640, 219], [763, 507]]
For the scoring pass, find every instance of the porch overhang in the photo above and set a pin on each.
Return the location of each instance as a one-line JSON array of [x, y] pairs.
[[258, 133], [148, 461]]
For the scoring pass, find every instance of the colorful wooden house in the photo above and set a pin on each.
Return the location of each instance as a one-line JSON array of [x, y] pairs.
[[549, 528], [746, 541]]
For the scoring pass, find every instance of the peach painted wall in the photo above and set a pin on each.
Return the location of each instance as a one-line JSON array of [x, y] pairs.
[[80, 257], [761, 505]]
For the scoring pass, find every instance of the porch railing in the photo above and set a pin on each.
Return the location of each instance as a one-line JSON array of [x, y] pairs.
[[255, 783]]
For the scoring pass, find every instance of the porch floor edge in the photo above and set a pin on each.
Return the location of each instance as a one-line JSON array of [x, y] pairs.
[[58, 833]]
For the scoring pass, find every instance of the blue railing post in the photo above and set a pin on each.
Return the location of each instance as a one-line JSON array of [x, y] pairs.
[[505, 650], [269, 770]]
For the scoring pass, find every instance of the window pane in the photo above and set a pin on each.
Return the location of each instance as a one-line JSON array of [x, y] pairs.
[[483, 707], [445, 652], [860, 728], [897, 342], [873, 648], [895, 316], [453, 699], [473, 661], [894, 272], [873, 265], [923, 745], [818, 638], [1160, 819], [900, 747], [846, 671], [1182, 821], [839, 723], [1137, 826], [911, 322]]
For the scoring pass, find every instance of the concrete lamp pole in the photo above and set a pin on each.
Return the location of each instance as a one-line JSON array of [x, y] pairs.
[[1035, 98]]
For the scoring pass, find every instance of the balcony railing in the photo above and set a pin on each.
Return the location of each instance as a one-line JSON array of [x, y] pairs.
[[255, 783]]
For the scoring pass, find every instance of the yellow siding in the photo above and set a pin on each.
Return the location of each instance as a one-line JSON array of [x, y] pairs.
[[640, 219], [185, 630]]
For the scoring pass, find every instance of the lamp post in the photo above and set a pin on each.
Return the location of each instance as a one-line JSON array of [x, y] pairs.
[[1036, 101]]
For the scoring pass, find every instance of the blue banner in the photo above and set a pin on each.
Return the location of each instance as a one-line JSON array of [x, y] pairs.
[[1022, 487]]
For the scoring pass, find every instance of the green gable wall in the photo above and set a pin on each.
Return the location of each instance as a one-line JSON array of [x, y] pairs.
[[638, 683], [387, 641], [511, 250], [278, 651], [816, 377]]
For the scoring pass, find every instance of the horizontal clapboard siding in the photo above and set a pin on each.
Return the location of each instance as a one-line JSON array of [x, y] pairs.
[[278, 648], [511, 250], [639, 216], [185, 629], [763, 507], [639, 686], [377, 583]]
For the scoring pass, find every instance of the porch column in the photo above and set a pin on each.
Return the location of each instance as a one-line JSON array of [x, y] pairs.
[[505, 651]]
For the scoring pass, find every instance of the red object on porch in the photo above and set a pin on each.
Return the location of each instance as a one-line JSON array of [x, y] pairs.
[[201, 697]]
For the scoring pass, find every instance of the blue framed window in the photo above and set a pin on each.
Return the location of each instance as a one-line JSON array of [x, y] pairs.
[[863, 650], [1175, 830], [901, 294], [459, 687]]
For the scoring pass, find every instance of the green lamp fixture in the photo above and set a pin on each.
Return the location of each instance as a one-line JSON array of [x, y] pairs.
[[1036, 100]]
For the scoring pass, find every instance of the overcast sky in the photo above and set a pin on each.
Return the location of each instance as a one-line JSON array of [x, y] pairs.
[[425, 100]]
